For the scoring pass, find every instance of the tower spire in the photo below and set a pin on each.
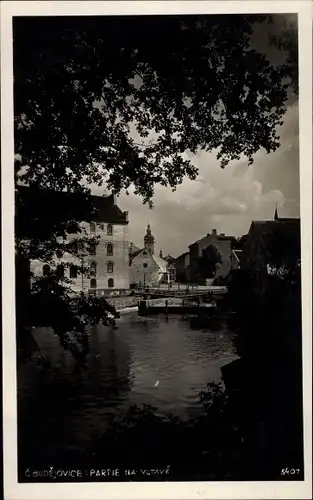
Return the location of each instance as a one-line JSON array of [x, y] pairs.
[[149, 240], [276, 213]]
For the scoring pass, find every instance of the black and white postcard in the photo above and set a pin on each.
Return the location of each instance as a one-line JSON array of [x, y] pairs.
[[157, 243]]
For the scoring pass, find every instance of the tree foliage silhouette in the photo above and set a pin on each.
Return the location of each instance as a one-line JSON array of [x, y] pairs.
[[87, 92], [124, 102], [209, 261]]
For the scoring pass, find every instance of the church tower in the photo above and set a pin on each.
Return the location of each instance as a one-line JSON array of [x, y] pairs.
[[149, 240]]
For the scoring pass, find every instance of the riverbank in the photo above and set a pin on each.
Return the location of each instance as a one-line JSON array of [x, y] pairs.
[[123, 303], [130, 304], [126, 310]]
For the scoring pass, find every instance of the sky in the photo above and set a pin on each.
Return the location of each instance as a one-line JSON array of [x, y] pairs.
[[225, 199], [229, 199]]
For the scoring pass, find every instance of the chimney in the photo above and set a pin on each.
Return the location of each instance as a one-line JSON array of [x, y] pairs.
[[126, 216], [214, 232], [113, 196], [161, 254]]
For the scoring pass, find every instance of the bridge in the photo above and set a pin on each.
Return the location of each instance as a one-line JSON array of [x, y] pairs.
[[199, 301], [174, 290], [180, 291]]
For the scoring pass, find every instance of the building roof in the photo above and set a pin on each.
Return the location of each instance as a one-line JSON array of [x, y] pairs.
[[136, 252], [272, 225], [161, 263], [106, 210], [169, 259], [225, 237], [286, 219], [93, 208], [182, 255], [133, 248], [282, 234], [218, 237]]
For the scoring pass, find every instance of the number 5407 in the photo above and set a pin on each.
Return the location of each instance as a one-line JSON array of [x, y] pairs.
[[290, 472]]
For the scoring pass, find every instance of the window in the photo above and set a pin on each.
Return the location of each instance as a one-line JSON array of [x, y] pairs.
[[60, 270], [46, 270], [92, 227], [110, 282], [110, 267], [144, 252], [145, 264], [73, 271], [92, 248], [109, 229], [109, 249], [93, 283], [93, 268]]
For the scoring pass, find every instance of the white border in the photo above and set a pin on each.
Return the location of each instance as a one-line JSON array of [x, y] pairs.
[[177, 490]]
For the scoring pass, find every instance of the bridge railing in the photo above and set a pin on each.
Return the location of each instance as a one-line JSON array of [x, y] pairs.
[[187, 291], [109, 292], [159, 290]]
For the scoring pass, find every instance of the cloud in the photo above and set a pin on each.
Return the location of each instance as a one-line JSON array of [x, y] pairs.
[[223, 199]]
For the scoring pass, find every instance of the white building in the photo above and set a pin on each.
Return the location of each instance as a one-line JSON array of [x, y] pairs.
[[108, 261], [146, 268]]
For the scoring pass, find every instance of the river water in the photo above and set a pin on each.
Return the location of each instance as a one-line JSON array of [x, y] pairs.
[[160, 362]]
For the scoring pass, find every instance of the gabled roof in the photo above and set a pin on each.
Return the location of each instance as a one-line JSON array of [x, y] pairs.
[[286, 219], [218, 237], [106, 210], [169, 258], [161, 263], [136, 252], [276, 225], [225, 237], [278, 233], [182, 255], [133, 247]]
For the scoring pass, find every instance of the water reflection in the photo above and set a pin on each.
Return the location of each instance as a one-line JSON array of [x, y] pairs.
[[157, 361]]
